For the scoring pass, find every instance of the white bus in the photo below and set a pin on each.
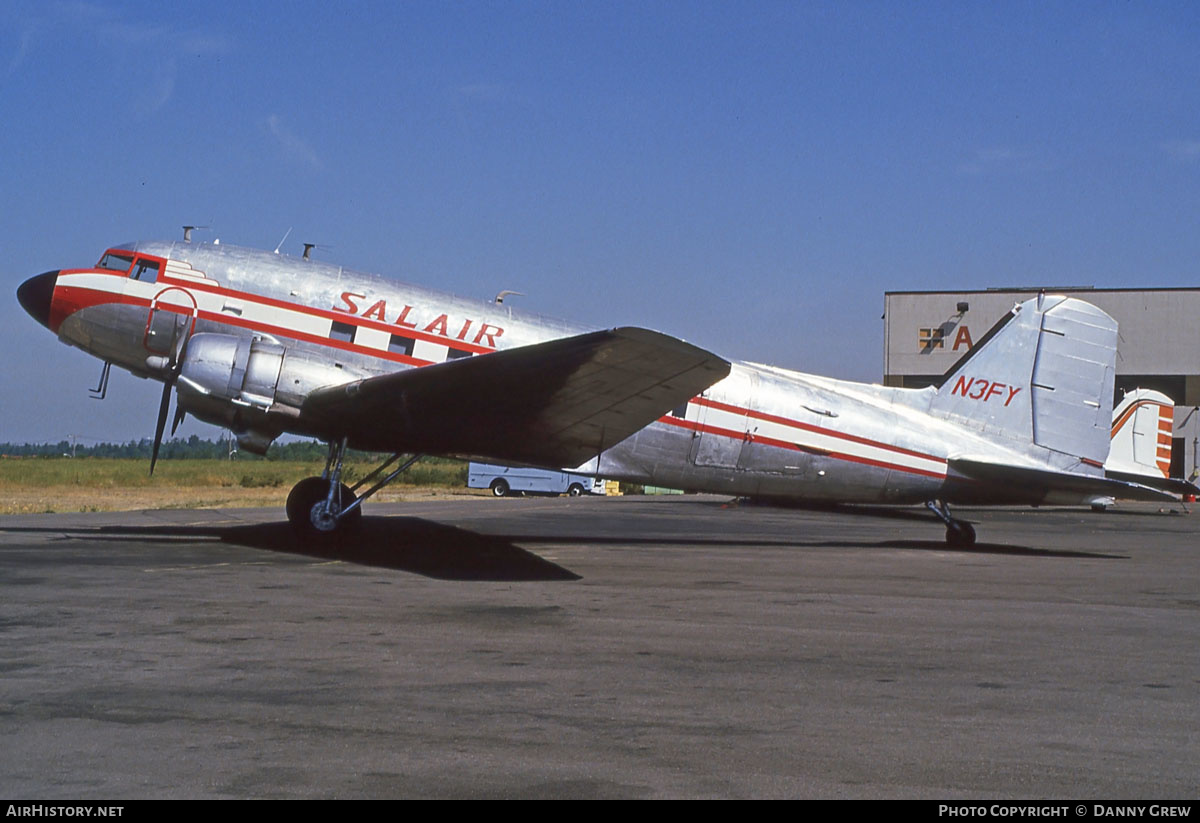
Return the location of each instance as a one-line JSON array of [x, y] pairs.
[[506, 480]]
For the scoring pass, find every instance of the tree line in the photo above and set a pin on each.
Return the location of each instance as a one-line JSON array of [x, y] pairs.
[[191, 448]]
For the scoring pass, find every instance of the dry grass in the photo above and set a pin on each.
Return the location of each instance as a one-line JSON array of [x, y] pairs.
[[93, 484]]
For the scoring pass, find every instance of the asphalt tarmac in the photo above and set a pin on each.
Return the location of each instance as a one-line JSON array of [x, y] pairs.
[[610, 648]]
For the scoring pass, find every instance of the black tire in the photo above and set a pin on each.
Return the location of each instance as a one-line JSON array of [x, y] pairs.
[[960, 534], [306, 494], [302, 497], [499, 487], [575, 490]]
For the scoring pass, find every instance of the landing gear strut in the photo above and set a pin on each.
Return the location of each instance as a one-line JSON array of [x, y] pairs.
[[319, 507], [958, 532]]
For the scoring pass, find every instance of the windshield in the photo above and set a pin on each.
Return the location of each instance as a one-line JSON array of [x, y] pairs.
[[145, 270], [115, 262]]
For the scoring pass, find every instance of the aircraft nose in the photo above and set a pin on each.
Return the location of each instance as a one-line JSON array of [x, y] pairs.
[[35, 295]]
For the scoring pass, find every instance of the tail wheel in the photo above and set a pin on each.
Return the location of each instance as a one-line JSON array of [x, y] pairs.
[[575, 490], [307, 513], [960, 534], [500, 487]]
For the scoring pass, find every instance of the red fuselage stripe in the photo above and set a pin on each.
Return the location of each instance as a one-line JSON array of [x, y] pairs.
[[770, 441], [273, 302], [329, 314], [75, 298], [785, 421], [70, 299]]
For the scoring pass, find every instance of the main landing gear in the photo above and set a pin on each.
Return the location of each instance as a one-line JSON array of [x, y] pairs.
[[320, 507], [959, 533]]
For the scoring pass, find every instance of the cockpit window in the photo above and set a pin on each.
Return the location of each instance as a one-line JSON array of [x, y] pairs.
[[115, 262], [145, 270]]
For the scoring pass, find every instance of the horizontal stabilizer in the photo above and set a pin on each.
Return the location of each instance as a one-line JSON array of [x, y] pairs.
[[555, 404], [1173, 485], [1032, 484]]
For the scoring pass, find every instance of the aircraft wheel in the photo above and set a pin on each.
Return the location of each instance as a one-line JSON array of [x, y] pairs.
[[575, 490], [960, 534], [306, 509], [500, 487]]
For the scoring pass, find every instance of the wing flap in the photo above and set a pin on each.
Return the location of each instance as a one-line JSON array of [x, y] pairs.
[[554, 404]]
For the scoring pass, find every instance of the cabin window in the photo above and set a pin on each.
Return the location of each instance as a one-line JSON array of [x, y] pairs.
[[680, 411], [401, 345], [145, 270], [342, 331], [457, 354], [115, 262]]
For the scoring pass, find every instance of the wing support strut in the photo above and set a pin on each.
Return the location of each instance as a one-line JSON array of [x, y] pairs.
[[403, 468]]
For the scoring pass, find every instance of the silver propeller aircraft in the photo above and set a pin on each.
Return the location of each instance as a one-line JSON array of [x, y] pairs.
[[263, 344]]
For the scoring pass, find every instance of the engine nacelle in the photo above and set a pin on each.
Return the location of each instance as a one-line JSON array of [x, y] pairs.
[[252, 386]]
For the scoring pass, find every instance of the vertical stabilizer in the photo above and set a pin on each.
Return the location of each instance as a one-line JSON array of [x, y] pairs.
[[1041, 379]]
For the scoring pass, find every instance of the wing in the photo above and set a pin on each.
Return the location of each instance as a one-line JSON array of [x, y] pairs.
[[1032, 484], [551, 404]]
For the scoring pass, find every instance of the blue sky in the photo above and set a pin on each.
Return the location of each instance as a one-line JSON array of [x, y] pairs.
[[751, 176]]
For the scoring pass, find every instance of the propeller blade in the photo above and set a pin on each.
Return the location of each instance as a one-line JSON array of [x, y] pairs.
[[179, 415], [163, 408], [177, 354]]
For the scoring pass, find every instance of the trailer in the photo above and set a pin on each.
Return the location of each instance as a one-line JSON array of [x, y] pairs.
[[506, 480]]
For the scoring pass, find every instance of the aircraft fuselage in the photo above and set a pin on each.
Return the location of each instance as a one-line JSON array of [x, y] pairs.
[[291, 326]]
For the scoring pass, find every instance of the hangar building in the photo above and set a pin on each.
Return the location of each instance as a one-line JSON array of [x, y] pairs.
[[925, 333]]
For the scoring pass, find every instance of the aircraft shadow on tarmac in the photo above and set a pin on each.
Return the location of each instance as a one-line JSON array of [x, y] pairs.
[[414, 545], [748, 542], [439, 551], [407, 544]]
